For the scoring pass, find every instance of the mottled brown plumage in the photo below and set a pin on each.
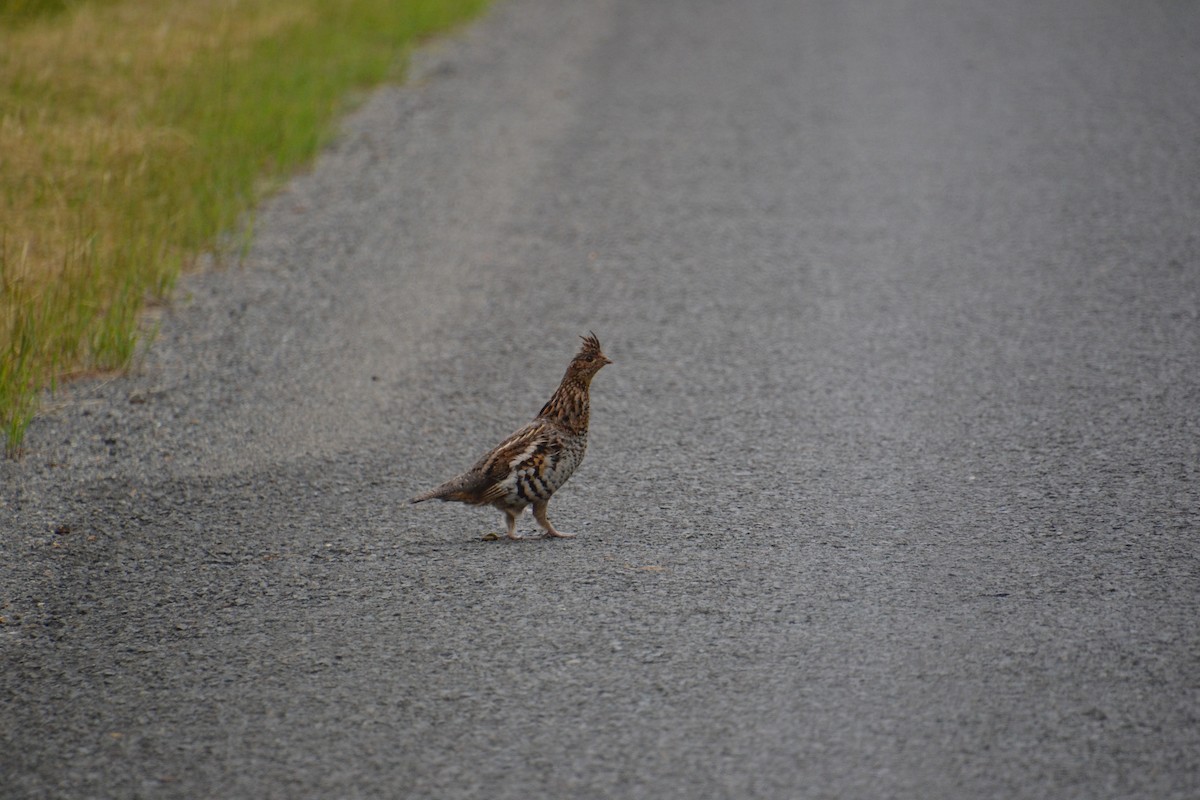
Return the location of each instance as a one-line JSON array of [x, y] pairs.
[[530, 466]]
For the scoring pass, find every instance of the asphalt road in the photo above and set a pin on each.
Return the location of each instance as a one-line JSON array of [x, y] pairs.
[[892, 491]]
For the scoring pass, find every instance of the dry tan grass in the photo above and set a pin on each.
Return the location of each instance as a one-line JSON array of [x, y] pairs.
[[133, 132], [76, 126]]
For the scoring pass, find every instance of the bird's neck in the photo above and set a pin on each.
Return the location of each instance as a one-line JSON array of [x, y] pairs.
[[569, 405]]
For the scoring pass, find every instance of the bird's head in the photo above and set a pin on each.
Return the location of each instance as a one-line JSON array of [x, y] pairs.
[[589, 360]]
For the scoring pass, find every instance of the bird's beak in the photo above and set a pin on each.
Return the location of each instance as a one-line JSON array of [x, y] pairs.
[[607, 360]]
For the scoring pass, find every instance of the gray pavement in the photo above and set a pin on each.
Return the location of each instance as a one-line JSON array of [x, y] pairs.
[[892, 490]]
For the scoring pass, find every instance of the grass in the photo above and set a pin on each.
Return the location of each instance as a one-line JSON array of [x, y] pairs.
[[134, 134]]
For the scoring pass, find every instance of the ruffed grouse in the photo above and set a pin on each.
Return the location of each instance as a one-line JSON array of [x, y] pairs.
[[529, 466]]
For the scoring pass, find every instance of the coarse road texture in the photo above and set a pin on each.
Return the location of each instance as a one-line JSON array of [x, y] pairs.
[[893, 489]]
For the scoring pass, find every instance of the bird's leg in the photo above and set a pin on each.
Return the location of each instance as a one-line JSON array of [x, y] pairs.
[[539, 513], [510, 519]]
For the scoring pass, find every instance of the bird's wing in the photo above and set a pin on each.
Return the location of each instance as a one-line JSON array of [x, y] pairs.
[[537, 445]]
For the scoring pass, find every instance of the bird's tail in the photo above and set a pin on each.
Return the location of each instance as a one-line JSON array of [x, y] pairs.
[[461, 489], [421, 498]]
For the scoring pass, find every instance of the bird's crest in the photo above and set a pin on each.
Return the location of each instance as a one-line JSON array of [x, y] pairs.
[[591, 345]]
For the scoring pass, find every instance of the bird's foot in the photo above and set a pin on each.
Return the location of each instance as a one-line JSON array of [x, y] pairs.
[[491, 537], [539, 514]]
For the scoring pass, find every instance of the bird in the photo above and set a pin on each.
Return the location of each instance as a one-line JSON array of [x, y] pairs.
[[533, 463]]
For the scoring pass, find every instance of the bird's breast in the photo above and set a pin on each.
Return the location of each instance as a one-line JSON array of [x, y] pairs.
[[537, 479]]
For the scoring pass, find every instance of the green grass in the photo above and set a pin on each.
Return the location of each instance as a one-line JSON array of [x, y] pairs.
[[134, 134]]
